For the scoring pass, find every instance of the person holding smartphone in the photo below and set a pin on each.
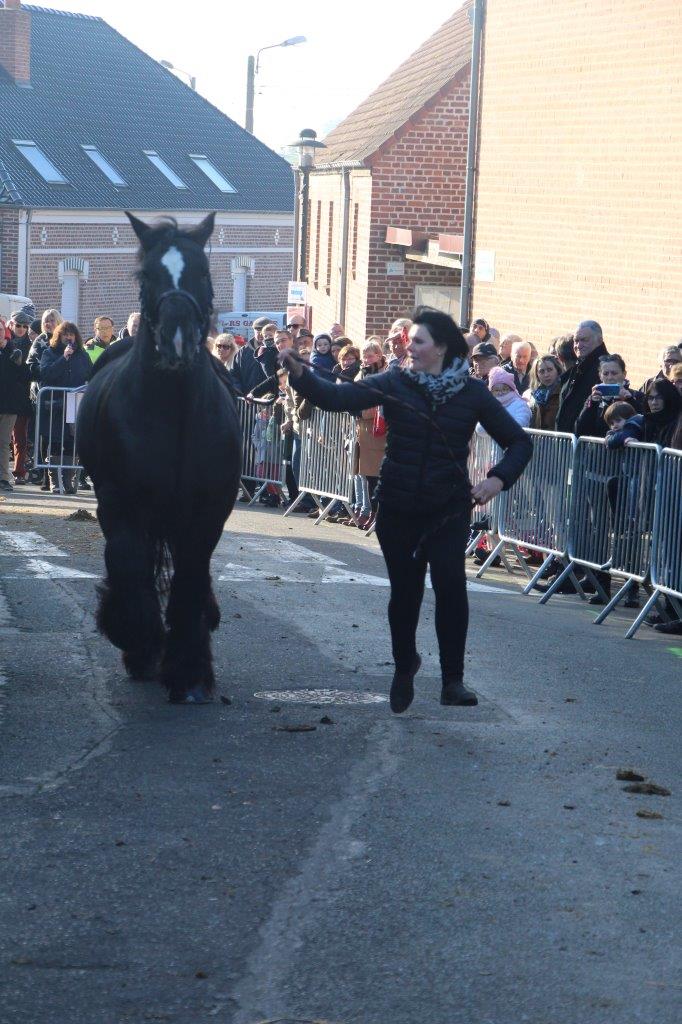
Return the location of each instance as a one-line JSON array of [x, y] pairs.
[[64, 364], [613, 387]]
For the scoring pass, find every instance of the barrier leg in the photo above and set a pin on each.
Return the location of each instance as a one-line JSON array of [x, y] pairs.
[[642, 615], [257, 493], [523, 564], [597, 585], [295, 503], [568, 571], [491, 558], [539, 574], [613, 602], [473, 544]]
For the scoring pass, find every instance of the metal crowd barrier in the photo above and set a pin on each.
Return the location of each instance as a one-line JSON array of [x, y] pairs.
[[55, 441], [533, 514], [666, 546], [327, 455], [484, 453], [263, 462]]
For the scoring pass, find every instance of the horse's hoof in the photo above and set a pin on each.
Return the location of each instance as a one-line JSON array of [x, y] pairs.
[[198, 695]]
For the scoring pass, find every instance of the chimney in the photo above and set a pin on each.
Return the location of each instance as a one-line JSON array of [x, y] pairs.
[[15, 42]]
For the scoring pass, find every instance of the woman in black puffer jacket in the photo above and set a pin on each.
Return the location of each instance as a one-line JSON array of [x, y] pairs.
[[424, 494]]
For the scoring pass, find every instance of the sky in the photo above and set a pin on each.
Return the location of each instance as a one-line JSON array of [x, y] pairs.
[[350, 49]]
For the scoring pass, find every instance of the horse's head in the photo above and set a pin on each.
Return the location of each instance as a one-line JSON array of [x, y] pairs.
[[176, 295]]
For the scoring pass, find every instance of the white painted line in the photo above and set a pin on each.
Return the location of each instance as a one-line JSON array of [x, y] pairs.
[[483, 588], [348, 576], [13, 542], [41, 570], [5, 613], [322, 697], [285, 551]]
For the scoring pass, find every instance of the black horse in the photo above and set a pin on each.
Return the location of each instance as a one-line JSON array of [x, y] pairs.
[[158, 433]]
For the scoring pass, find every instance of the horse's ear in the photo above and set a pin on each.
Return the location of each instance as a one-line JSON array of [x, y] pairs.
[[202, 232], [139, 227]]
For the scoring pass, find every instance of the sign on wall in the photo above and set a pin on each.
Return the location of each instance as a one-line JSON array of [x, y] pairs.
[[395, 268], [297, 293], [484, 267]]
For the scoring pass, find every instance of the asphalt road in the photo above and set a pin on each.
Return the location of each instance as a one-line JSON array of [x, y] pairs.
[[449, 866]]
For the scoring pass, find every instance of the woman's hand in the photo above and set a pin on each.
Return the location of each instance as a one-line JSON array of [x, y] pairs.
[[624, 394], [68, 351], [595, 397], [487, 490], [292, 363]]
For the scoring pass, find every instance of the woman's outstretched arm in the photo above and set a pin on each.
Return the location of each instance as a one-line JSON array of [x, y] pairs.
[[349, 397]]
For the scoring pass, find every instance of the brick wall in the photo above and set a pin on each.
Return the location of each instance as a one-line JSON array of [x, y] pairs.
[[579, 191], [110, 250], [9, 238], [325, 194], [417, 180]]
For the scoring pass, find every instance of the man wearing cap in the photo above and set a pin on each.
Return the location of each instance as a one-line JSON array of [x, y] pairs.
[[483, 357], [20, 325]]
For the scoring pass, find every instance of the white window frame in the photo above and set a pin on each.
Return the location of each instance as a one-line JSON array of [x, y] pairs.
[[104, 165], [161, 166], [53, 176], [212, 173]]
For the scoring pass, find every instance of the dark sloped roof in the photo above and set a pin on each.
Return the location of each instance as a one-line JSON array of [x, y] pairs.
[[404, 92], [91, 86]]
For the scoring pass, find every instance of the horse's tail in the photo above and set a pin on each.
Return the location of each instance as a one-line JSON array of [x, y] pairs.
[[163, 567]]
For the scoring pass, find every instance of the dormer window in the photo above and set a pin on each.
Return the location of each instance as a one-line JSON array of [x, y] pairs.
[[39, 162], [162, 166], [205, 165], [105, 167]]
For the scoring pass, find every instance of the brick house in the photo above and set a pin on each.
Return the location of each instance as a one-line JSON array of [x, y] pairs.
[[91, 126], [579, 197], [386, 198]]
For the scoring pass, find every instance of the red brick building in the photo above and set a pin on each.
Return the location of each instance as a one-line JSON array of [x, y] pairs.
[[386, 198], [91, 126], [579, 194]]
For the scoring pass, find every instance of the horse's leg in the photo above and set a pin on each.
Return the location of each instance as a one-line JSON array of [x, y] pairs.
[[129, 613], [187, 669]]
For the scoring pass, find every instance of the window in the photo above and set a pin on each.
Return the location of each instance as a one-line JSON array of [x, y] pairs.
[[162, 166], [40, 163], [330, 239], [105, 167], [205, 165], [354, 247]]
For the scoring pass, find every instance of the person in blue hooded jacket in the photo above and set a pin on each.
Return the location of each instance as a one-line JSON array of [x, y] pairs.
[[322, 361]]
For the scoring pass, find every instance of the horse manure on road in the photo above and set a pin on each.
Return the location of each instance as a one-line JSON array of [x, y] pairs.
[[628, 775], [647, 788]]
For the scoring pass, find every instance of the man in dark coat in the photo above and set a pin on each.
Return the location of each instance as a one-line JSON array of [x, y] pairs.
[[19, 325], [579, 381], [14, 401]]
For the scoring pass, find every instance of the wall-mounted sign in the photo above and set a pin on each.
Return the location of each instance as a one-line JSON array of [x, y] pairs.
[[297, 293], [484, 269], [395, 268]]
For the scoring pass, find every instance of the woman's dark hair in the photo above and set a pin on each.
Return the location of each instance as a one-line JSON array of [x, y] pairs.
[[444, 331], [613, 357], [485, 325], [65, 327]]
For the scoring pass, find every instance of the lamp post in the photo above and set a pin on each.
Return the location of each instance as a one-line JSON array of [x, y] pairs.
[[252, 66], [306, 145], [172, 67]]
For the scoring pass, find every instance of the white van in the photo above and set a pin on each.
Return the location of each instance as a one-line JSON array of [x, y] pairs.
[[11, 303]]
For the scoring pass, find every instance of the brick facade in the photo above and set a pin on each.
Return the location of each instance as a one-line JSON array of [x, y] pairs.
[[416, 180], [108, 245], [579, 192]]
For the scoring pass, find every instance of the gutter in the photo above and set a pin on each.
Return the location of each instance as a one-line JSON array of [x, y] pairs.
[[23, 252], [472, 149]]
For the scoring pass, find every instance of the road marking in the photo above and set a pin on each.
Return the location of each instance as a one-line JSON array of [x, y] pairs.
[[38, 569], [335, 575], [322, 697], [29, 543], [286, 551]]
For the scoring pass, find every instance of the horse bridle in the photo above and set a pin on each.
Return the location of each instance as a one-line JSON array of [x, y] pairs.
[[152, 321]]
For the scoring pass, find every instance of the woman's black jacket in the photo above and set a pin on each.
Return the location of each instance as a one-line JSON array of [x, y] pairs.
[[425, 466], [14, 381]]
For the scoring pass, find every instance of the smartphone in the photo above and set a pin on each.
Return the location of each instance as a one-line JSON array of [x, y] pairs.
[[609, 390]]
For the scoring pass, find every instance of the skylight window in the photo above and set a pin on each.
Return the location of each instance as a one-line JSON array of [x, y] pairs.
[[162, 166], [105, 167], [205, 165], [39, 162]]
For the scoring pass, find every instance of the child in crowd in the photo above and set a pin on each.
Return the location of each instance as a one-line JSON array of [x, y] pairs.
[[503, 386], [625, 425]]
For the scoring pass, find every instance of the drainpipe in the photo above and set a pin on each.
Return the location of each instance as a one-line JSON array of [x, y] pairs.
[[345, 220], [23, 252], [472, 146]]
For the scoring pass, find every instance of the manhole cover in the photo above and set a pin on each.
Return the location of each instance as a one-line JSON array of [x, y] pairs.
[[322, 697]]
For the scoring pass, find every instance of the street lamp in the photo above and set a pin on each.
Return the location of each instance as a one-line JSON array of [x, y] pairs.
[[172, 67], [252, 66], [306, 145]]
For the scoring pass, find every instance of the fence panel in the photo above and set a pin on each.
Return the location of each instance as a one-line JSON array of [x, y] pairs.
[[55, 442], [327, 456], [263, 460], [666, 563]]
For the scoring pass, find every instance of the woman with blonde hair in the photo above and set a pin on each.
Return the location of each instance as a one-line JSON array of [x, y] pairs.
[[225, 349]]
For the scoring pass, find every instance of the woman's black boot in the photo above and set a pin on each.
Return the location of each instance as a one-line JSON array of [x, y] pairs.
[[402, 687], [455, 693]]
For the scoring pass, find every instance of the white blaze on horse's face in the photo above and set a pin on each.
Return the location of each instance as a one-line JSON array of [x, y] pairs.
[[174, 263]]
